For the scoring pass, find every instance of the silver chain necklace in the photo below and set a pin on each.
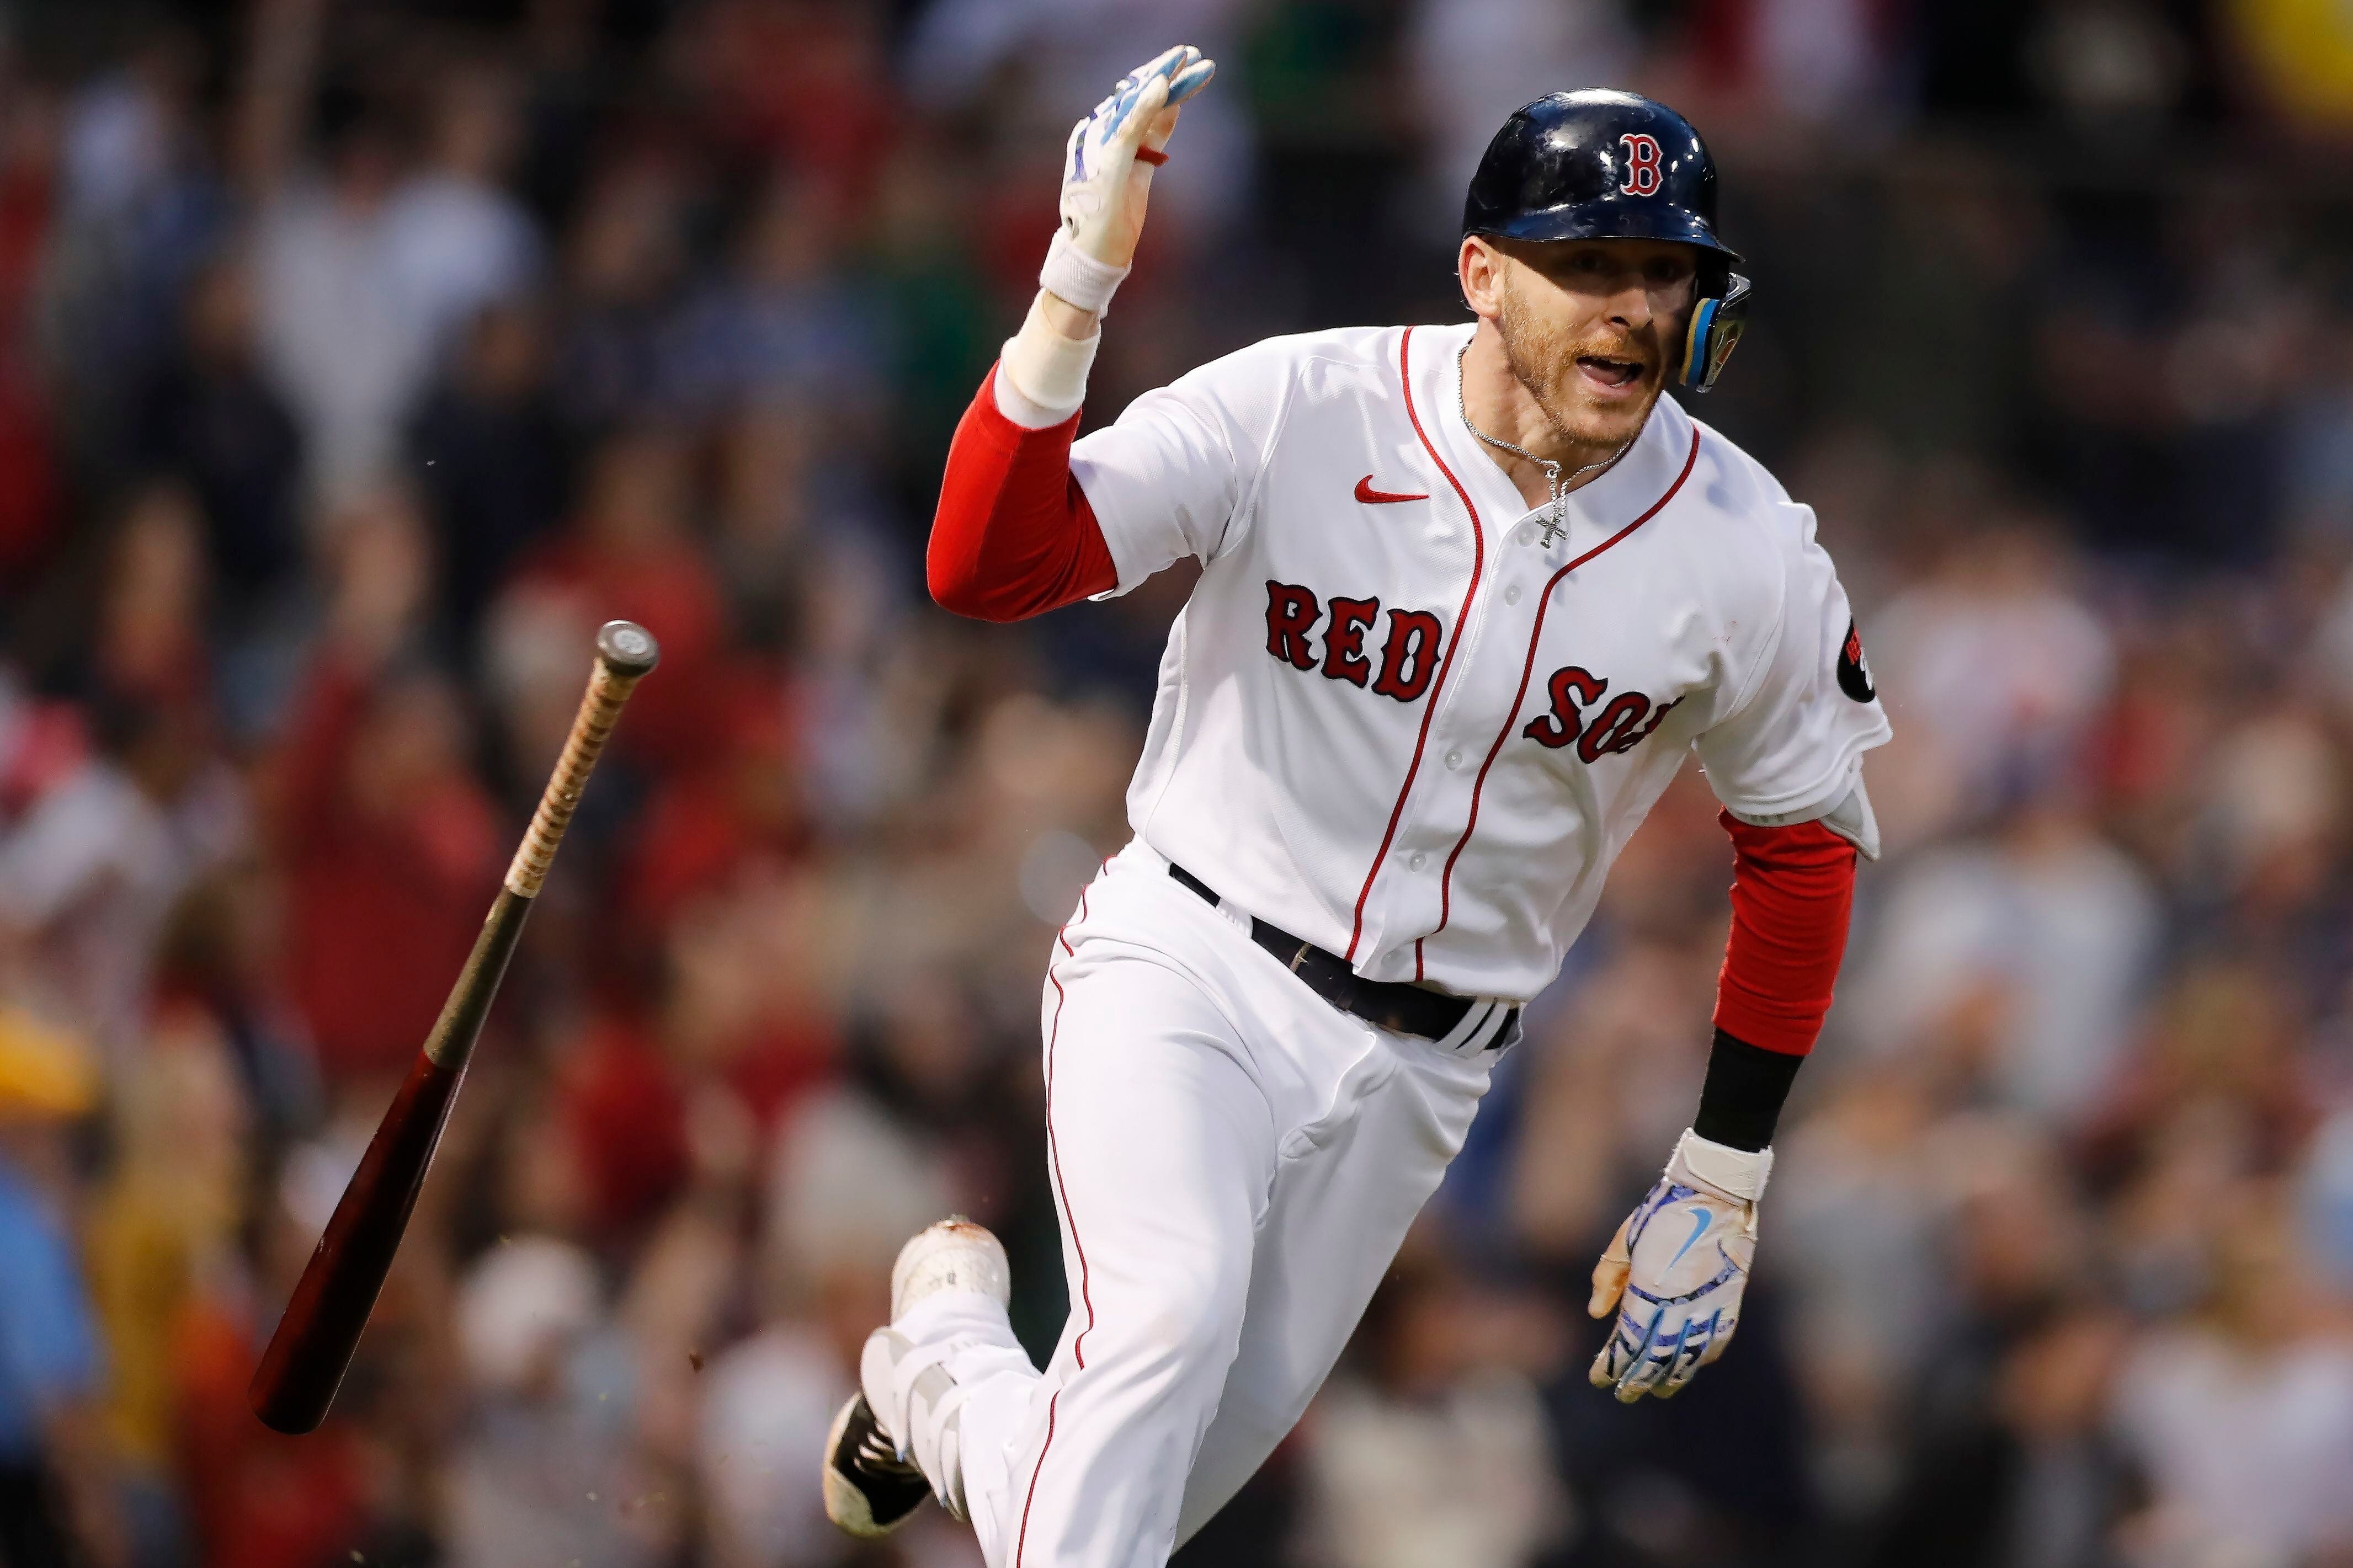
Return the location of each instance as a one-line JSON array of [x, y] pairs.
[[1555, 522]]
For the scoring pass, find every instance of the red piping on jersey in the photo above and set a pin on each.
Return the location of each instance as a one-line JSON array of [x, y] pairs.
[[1446, 878], [1022, 1543], [1446, 660], [1079, 1345], [1086, 1293]]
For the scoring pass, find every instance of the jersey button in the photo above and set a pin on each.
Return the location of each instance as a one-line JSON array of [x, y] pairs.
[[1526, 533], [1416, 862], [1453, 759], [1512, 594]]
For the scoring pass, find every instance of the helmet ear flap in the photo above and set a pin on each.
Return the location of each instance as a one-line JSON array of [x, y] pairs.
[[1716, 323]]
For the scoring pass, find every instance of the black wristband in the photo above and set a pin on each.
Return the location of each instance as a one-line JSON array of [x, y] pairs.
[[1742, 1098]]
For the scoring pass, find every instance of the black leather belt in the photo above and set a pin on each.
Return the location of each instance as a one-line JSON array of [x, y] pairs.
[[1408, 1009]]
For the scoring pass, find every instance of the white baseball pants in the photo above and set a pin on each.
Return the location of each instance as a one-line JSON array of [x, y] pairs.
[[1236, 1162]]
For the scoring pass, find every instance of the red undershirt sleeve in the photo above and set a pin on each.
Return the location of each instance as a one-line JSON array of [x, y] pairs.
[[1014, 536], [1792, 891]]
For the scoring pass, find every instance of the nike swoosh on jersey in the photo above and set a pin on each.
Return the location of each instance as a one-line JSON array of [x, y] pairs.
[[1697, 1231], [1371, 497]]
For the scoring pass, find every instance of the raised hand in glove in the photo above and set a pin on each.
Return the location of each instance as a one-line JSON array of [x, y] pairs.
[[1107, 176], [1677, 1268]]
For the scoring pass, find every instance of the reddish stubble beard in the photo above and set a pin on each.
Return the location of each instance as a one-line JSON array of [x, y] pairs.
[[1543, 354]]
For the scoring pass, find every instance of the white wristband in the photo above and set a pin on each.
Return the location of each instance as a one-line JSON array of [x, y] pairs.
[[1736, 1173], [1041, 375], [1076, 276]]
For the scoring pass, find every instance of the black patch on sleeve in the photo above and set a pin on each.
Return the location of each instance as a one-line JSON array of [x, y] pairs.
[[1854, 669]]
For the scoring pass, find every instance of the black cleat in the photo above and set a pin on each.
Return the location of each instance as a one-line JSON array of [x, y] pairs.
[[870, 1491]]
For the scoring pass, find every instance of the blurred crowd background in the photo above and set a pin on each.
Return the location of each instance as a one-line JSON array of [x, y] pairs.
[[358, 357]]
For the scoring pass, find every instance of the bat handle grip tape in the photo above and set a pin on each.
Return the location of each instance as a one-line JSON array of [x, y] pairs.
[[625, 654]]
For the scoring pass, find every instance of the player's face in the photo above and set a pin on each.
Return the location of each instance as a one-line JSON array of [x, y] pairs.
[[1589, 327]]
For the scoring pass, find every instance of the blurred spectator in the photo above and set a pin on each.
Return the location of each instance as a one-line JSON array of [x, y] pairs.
[[390, 843], [1818, 62], [844, 1181], [150, 641], [368, 267], [625, 255], [806, 84], [456, 241], [342, 335], [787, 325], [736, 809], [490, 456], [628, 555], [212, 420], [53, 1465], [1473, 55], [943, 325], [2007, 668], [766, 530], [2328, 1200], [1858, 1229], [1434, 1450], [550, 1470], [165, 1225], [2027, 1475], [110, 839], [1322, 83], [625, 1116], [770, 1402], [139, 207], [2023, 958], [2320, 478], [2245, 1420], [252, 1495]]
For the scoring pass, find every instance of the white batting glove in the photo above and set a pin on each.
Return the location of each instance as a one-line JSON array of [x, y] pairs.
[[1104, 183], [1677, 1268]]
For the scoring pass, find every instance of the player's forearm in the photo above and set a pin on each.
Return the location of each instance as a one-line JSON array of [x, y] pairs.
[[1740, 1104], [1042, 372], [1014, 536], [1792, 893], [1072, 321]]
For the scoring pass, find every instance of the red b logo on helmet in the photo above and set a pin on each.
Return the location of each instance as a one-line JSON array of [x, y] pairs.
[[1641, 164]]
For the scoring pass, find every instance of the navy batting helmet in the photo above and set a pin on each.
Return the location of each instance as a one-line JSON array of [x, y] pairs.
[[1598, 164]]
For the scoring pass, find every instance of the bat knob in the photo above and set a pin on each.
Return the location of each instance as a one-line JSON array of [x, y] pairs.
[[627, 648]]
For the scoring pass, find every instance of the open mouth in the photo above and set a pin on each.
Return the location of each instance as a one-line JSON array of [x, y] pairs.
[[1614, 374]]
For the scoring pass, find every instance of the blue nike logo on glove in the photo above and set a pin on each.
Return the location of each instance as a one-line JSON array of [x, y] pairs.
[[1697, 1231]]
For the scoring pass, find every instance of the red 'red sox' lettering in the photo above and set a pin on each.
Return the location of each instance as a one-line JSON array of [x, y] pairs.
[[1292, 613], [1568, 688], [1409, 658], [1617, 729], [1344, 643], [1408, 662]]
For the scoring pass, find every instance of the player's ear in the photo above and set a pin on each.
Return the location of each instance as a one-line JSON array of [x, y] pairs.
[[1479, 267]]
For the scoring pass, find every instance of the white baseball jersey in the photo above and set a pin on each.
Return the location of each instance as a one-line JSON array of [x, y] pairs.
[[1403, 719]]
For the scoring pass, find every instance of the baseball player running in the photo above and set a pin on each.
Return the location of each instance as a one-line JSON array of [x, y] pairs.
[[1468, 594]]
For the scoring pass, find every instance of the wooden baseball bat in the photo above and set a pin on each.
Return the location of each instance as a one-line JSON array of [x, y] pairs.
[[312, 1347]]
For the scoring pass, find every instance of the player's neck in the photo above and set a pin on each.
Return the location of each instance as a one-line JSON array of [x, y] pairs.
[[1499, 406]]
